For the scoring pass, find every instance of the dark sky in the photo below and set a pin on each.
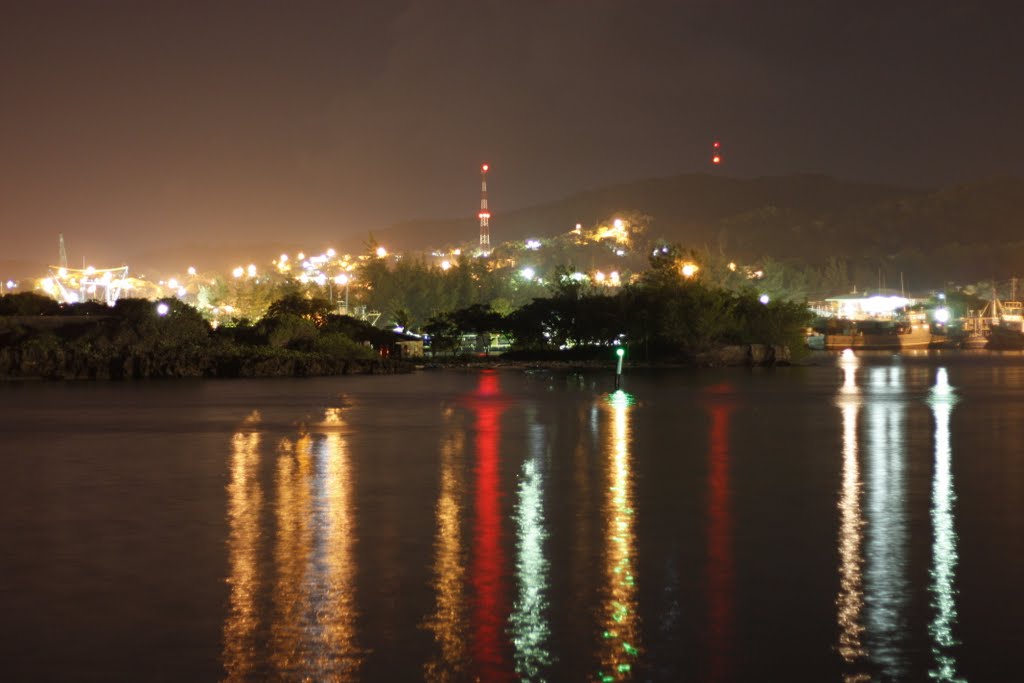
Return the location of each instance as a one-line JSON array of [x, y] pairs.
[[143, 123]]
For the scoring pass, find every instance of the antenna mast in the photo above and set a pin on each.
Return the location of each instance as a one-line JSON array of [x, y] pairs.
[[485, 213]]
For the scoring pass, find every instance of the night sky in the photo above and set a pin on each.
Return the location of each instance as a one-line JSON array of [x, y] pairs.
[[139, 124]]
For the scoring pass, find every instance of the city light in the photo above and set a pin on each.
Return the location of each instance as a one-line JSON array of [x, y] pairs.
[[172, 283], [689, 269], [341, 280], [381, 252], [238, 271], [192, 270], [527, 273], [533, 244], [251, 270], [331, 253], [764, 299], [445, 265], [162, 308], [942, 315], [599, 276]]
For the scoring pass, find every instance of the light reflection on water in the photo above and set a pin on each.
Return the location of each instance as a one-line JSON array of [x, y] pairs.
[[491, 618], [888, 588], [944, 546], [529, 621], [449, 622], [887, 585], [245, 501], [311, 631], [720, 568], [620, 620], [814, 523], [490, 641], [850, 600], [313, 635]]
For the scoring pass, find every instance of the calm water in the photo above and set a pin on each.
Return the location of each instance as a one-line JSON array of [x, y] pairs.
[[859, 520]]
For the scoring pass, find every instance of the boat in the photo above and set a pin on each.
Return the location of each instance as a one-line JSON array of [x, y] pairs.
[[1006, 333], [892, 335], [1005, 322], [974, 340]]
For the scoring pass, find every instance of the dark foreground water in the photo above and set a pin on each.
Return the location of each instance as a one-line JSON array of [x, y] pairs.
[[861, 520]]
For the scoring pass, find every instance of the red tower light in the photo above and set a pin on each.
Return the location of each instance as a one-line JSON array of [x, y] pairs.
[[484, 168], [716, 159], [716, 144]]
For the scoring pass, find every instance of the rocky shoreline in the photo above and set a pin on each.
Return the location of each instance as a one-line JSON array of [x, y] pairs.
[[19, 364], [738, 355]]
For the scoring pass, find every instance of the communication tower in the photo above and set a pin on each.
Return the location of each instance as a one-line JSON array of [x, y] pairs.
[[485, 213]]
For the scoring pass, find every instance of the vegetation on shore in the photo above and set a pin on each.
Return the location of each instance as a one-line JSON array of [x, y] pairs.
[[662, 316], [137, 338]]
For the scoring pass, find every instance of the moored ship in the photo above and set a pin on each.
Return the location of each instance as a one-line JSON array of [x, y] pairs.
[[1006, 333], [881, 335]]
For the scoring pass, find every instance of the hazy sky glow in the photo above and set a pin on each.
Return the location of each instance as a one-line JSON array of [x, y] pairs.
[[129, 125]]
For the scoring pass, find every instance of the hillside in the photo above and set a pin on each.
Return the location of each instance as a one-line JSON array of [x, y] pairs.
[[963, 233], [692, 208]]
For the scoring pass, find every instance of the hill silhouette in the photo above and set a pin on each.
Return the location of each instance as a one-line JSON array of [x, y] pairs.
[[964, 233], [691, 208]]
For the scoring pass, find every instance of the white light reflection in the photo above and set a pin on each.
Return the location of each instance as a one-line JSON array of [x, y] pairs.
[[944, 550], [850, 600], [529, 624], [621, 629], [886, 582]]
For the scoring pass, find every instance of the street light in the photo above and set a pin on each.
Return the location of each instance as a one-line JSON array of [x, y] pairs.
[[343, 280]]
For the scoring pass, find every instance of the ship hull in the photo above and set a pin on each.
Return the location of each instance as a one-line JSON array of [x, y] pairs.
[[918, 338], [1005, 339]]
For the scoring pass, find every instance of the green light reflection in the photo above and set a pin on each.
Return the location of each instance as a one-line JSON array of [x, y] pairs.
[[529, 624]]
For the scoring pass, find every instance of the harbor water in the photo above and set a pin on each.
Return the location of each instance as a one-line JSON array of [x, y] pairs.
[[857, 519]]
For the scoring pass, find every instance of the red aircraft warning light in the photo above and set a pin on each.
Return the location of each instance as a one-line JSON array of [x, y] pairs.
[[484, 168], [716, 159]]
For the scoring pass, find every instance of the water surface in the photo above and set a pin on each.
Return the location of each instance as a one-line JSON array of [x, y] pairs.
[[858, 520]]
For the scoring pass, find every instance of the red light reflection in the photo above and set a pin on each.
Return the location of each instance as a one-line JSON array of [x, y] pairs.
[[720, 561], [490, 643]]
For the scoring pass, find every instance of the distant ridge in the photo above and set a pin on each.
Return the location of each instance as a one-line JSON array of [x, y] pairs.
[[960, 233], [692, 207], [963, 233]]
